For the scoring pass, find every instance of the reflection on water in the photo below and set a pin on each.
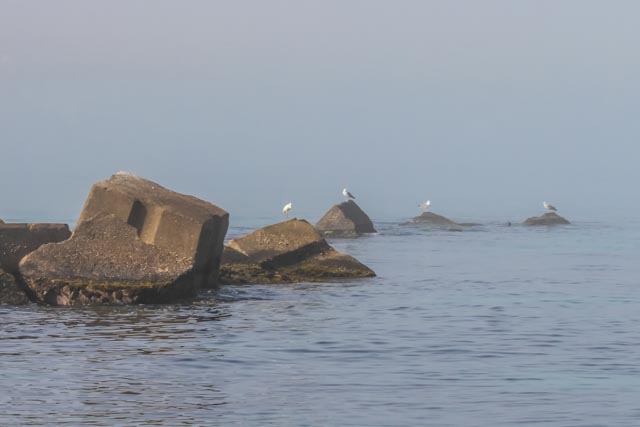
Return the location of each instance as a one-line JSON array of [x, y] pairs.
[[494, 326]]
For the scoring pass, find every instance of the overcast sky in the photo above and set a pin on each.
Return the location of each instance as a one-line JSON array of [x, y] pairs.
[[485, 107]]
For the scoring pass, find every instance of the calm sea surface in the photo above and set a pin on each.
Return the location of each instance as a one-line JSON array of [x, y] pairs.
[[495, 326]]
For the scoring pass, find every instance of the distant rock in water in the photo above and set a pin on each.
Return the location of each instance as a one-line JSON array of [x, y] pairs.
[[287, 252], [18, 240], [345, 220], [549, 218], [433, 219], [136, 242], [10, 292]]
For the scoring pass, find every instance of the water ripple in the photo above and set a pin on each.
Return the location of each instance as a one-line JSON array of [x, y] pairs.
[[501, 327]]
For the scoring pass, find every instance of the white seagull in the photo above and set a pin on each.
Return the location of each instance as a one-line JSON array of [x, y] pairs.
[[348, 195], [548, 207], [287, 208], [425, 206]]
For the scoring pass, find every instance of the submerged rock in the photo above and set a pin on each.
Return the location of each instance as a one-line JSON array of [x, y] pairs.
[[345, 220], [18, 240], [549, 218], [10, 292], [433, 219], [136, 242], [287, 252]]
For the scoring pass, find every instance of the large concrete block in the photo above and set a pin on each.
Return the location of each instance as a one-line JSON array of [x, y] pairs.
[[185, 225], [135, 242], [290, 251]]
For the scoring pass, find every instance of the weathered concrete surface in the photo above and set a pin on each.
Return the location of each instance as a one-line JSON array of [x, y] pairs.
[[287, 252], [106, 263], [345, 220], [10, 292], [281, 244], [185, 225], [136, 242], [18, 240], [549, 218]]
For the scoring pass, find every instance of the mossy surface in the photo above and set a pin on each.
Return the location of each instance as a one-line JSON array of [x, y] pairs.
[[91, 292], [108, 286], [308, 271], [340, 234]]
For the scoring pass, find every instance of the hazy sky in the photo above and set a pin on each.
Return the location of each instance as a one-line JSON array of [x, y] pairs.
[[485, 107]]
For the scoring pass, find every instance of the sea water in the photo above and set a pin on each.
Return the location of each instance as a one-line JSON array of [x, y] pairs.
[[492, 326]]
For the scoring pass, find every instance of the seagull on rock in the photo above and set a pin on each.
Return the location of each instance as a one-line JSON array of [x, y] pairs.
[[425, 206], [348, 195], [287, 208], [549, 207]]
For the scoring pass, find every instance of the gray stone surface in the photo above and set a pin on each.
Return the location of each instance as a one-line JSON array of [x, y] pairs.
[[183, 224], [345, 220], [549, 218], [136, 242], [10, 292], [290, 251], [18, 240], [434, 219]]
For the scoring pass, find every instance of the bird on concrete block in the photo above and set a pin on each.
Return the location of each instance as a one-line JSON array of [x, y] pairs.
[[286, 209], [549, 207], [425, 206], [347, 195]]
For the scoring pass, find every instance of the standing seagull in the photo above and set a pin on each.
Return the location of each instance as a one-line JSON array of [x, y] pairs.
[[425, 206], [549, 208], [287, 208], [348, 195]]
